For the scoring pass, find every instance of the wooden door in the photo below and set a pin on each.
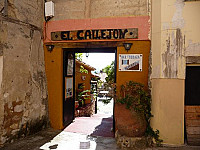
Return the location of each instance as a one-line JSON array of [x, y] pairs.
[[68, 78]]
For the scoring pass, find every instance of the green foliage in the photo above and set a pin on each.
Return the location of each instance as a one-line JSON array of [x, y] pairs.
[[80, 96], [83, 70], [135, 97], [79, 56], [110, 71]]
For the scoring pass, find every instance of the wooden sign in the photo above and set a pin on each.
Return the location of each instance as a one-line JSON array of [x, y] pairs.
[[102, 34]]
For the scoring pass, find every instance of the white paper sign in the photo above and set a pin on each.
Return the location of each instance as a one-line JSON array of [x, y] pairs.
[[130, 62], [69, 87]]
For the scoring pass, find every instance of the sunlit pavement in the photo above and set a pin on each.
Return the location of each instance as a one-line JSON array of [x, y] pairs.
[[72, 141], [103, 108], [50, 139], [76, 139]]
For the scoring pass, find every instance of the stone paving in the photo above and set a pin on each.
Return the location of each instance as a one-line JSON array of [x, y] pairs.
[[76, 141], [50, 139]]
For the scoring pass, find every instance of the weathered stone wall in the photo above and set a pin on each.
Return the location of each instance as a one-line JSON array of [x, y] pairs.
[[83, 9], [23, 94]]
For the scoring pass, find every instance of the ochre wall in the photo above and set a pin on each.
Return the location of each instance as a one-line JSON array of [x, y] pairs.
[[79, 77], [167, 108], [138, 47], [94, 14], [54, 73]]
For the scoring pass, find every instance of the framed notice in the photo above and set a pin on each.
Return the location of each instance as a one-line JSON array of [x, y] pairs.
[[70, 63], [68, 87], [130, 62]]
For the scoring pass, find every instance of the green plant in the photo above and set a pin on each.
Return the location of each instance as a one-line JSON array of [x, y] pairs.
[[136, 97], [79, 56], [81, 96], [110, 71], [83, 70]]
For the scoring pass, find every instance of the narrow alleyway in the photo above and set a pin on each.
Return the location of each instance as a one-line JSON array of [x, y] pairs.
[[91, 133], [95, 132], [100, 124]]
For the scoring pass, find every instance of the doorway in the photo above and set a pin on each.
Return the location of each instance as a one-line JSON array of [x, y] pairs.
[[69, 78], [192, 105]]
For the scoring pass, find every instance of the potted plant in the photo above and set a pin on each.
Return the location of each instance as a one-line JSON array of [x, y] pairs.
[[135, 103], [87, 98], [81, 97], [76, 104]]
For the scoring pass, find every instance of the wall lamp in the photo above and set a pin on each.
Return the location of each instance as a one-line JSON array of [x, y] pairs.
[[50, 47], [87, 55], [127, 46]]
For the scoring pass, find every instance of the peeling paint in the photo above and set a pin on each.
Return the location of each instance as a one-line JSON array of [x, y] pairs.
[[178, 20], [22, 83], [193, 49], [174, 52]]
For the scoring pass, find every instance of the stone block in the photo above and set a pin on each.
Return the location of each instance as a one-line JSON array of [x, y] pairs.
[[83, 9], [116, 8], [27, 11], [130, 143]]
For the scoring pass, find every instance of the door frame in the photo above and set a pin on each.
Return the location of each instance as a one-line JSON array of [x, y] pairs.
[[64, 75], [85, 50]]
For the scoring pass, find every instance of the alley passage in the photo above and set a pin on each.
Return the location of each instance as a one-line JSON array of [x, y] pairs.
[[100, 124], [97, 130]]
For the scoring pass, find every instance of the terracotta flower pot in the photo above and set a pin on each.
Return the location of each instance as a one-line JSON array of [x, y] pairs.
[[128, 122], [76, 104]]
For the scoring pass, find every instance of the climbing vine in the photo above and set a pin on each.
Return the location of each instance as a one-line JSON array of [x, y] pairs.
[[136, 97]]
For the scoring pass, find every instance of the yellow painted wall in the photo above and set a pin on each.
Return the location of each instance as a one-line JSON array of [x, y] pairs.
[[138, 47], [79, 77], [175, 35], [54, 73], [167, 108]]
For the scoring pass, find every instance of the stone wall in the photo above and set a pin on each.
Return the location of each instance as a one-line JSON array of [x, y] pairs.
[[83, 9], [23, 94], [85, 111]]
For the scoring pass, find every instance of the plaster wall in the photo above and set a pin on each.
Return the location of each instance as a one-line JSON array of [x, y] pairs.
[[54, 72], [138, 47], [84, 9], [23, 95], [79, 77], [167, 108], [175, 36]]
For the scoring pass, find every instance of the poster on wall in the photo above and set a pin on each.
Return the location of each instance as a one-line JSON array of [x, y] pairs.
[[130, 62], [70, 64], [68, 87]]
